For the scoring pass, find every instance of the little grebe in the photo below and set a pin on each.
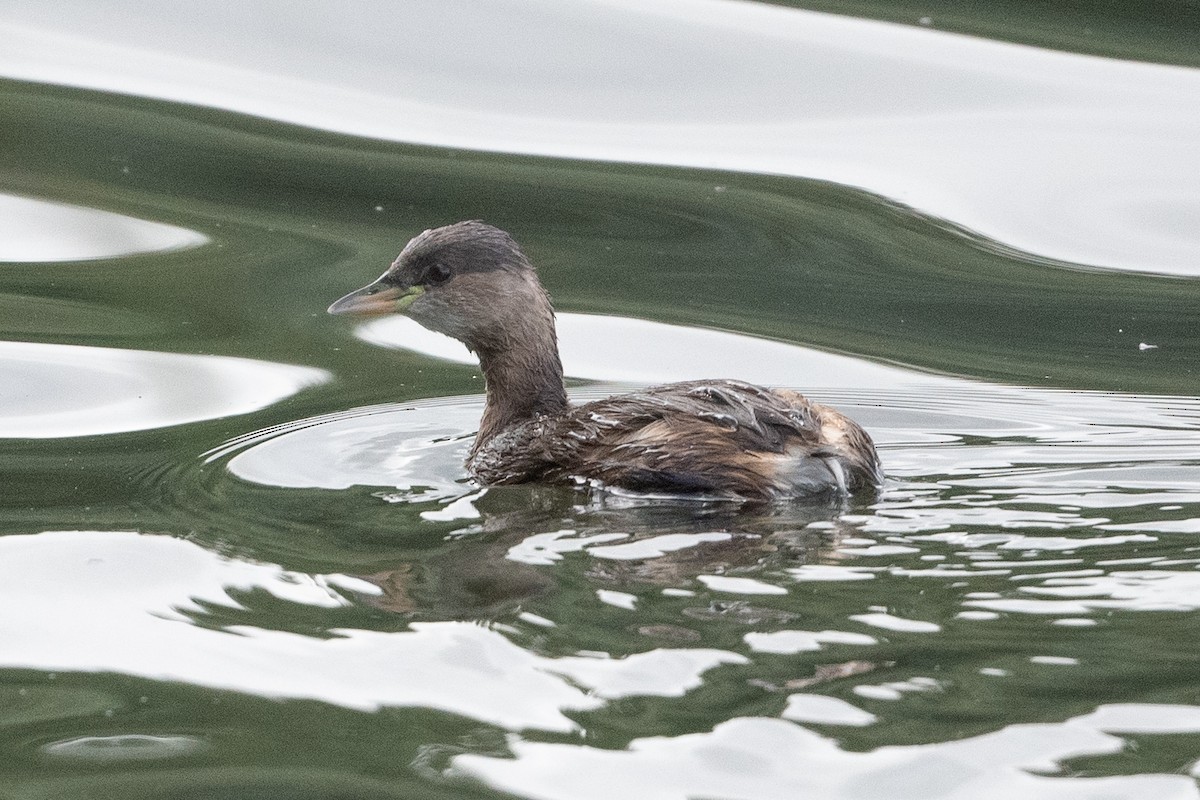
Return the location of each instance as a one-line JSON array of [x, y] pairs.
[[471, 281]]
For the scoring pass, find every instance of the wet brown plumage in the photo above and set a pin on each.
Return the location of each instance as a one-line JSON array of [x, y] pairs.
[[713, 438]]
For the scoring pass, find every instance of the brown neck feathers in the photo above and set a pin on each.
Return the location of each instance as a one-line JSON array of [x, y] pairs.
[[523, 373]]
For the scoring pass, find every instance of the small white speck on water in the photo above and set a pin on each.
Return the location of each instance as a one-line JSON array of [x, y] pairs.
[[535, 619], [1144, 346], [379, 208], [1065, 661], [926, 21]]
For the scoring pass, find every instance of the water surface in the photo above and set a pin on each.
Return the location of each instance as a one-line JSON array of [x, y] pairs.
[[239, 555]]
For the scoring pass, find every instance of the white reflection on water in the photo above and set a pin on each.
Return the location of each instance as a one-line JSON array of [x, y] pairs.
[[1069, 157], [57, 390], [663, 673], [789, 641], [655, 546], [605, 347], [38, 230], [1135, 590], [763, 759], [122, 602], [825, 711], [734, 585], [123, 747]]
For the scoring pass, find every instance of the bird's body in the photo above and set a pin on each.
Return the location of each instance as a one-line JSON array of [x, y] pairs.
[[710, 438]]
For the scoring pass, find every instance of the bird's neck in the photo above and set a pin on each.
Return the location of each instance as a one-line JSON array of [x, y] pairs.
[[524, 377]]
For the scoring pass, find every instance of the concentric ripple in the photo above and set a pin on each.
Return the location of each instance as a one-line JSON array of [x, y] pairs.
[[404, 446]]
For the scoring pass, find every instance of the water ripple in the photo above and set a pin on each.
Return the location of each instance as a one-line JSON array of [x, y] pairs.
[[1070, 158]]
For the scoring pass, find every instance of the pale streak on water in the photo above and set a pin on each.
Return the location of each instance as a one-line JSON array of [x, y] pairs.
[[1072, 158], [37, 231]]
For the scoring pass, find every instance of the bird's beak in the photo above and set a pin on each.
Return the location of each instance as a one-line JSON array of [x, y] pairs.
[[376, 299]]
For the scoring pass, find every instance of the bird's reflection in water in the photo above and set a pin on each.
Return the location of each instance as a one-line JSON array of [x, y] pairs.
[[486, 569]]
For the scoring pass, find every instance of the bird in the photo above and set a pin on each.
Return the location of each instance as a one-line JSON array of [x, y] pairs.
[[701, 438]]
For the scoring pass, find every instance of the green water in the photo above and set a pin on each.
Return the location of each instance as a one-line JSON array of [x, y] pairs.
[[800, 261], [324, 635]]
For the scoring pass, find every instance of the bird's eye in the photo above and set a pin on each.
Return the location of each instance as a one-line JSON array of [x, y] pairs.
[[438, 273]]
